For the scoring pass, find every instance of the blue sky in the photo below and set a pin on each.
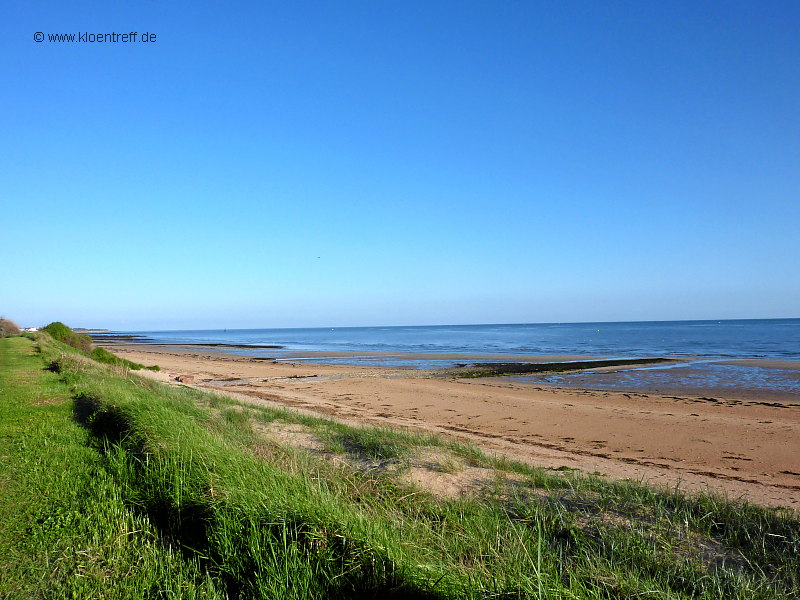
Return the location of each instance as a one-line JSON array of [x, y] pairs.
[[309, 164]]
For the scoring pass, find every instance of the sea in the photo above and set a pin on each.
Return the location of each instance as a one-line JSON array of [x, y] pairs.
[[701, 347], [775, 339]]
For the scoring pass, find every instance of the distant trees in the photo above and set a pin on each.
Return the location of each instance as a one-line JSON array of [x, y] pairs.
[[8, 327]]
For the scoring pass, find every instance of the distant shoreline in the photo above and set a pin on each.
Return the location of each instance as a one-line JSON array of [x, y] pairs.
[[752, 379], [746, 339]]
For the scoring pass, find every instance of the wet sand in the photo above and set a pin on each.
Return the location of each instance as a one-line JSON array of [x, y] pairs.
[[762, 381], [743, 445], [790, 365]]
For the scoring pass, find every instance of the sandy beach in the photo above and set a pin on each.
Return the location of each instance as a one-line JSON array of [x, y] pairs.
[[745, 446]]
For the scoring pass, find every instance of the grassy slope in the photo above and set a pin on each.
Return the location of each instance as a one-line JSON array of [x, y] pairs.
[[174, 489], [65, 529]]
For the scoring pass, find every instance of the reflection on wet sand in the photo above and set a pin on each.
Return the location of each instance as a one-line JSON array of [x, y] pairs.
[[697, 377]]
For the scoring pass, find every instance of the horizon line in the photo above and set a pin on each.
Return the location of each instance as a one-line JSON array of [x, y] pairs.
[[450, 324]]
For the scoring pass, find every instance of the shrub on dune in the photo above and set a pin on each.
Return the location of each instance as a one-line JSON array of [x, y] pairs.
[[8, 327], [65, 334]]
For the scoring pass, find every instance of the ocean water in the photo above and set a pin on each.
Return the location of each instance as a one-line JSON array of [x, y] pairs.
[[776, 339], [698, 345]]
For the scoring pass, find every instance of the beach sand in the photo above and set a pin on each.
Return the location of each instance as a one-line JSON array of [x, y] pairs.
[[745, 447]]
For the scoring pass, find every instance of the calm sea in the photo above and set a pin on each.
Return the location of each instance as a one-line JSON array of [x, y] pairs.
[[768, 338], [698, 342]]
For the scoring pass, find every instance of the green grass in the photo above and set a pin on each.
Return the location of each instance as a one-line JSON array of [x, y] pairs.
[[83, 343], [57, 330], [162, 492], [66, 530], [109, 358], [369, 443]]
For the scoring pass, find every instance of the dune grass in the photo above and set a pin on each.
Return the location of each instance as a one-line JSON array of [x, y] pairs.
[[162, 491], [66, 531], [104, 356], [63, 333], [83, 343]]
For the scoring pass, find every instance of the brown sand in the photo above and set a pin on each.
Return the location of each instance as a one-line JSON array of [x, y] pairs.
[[743, 447]]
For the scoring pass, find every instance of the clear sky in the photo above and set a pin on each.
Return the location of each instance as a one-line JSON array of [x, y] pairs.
[[271, 164]]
